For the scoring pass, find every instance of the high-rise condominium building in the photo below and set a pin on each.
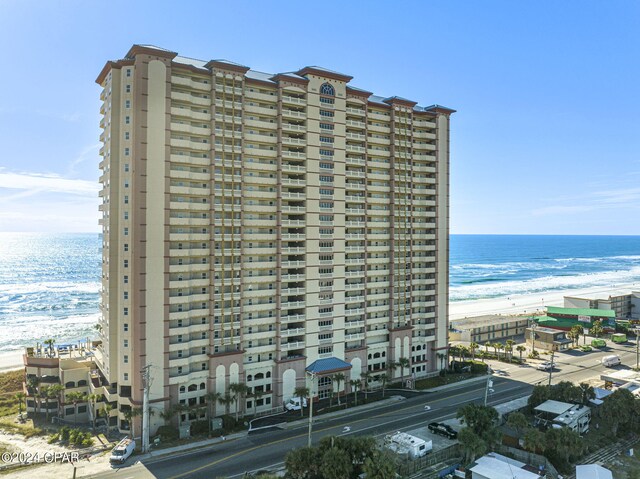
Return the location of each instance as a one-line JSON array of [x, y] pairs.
[[272, 230]]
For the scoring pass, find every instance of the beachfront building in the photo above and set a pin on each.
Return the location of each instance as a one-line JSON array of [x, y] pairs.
[[565, 318], [63, 384], [265, 229], [491, 327], [623, 305], [561, 414]]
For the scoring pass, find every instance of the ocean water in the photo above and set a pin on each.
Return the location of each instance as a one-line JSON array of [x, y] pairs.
[[492, 266], [50, 283], [49, 287]]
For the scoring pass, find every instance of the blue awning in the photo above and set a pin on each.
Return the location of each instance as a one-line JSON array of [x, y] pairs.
[[327, 365]]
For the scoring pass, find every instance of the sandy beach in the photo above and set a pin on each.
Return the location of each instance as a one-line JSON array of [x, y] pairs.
[[532, 304], [10, 361]]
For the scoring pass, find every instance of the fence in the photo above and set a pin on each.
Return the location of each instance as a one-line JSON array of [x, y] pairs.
[[409, 467], [529, 458]]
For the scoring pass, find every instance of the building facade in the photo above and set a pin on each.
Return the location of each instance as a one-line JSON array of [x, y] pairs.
[[255, 224], [492, 327]]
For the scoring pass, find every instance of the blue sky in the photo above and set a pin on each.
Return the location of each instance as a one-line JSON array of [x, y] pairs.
[[545, 140]]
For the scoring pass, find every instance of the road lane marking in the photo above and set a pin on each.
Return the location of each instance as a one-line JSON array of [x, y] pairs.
[[239, 453]]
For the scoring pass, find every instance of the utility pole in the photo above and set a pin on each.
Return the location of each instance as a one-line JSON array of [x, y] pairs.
[[146, 383], [533, 336], [551, 368], [313, 377], [487, 387]]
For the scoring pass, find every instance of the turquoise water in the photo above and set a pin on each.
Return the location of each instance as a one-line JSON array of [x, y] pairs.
[[50, 283]]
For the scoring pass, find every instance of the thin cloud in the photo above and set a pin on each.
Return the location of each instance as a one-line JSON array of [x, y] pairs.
[[597, 200], [47, 183]]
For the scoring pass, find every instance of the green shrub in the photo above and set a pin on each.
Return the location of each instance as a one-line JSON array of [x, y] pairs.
[[168, 433], [53, 438], [199, 427], [64, 433]]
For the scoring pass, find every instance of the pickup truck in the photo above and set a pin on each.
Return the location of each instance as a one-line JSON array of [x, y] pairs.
[[443, 430]]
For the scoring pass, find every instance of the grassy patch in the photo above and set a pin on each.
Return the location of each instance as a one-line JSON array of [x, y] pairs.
[[27, 429], [10, 384], [436, 381]]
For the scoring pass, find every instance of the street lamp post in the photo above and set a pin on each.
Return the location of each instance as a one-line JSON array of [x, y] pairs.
[[313, 377], [488, 387]]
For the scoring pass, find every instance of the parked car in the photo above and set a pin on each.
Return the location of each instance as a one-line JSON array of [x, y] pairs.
[[443, 430], [546, 366], [612, 360], [586, 349], [293, 404], [598, 343]]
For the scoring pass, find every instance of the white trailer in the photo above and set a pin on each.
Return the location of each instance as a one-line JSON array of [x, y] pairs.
[[403, 443]]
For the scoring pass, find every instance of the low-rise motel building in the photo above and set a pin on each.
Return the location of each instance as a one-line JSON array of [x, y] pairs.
[[490, 327]]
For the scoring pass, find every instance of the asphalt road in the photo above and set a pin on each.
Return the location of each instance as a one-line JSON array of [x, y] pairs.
[[267, 449]]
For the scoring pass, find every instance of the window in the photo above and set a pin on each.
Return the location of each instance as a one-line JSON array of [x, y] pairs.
[[326, 101], [126, 359], [126, 376], [126, 295], [327, 89], [126, 199], [126, 217], [125, 327], [326, 231], [326, 166], [125, 312], [127, 120], [322, 113], [326, 217], [326, 179], [128, 70], [126, 265], [128, 88], [326, 152], [326, 126], [325, 350], [326, 139], [326, 204], [126, 167], [326, 191], [126, 137], [126, 231], [127, 103], [126, 152], [126, 245], [126, 278]]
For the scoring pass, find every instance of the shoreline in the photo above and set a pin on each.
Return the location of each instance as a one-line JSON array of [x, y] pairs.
[[514, 305], [530, 304]]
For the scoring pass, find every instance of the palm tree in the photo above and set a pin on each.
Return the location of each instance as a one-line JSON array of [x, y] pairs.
[[226, 400], [482, 355], [338, 378], [75, 397], [256, 395], [487, 345], [129, 415], [403, 363], [495, 349], [454, 351], [52, 392], [500, 347], [383, 378], [239, 391], [106, 412], [463, 352], [441, 357], [366, 377], [50, 342], [355, 385], [56, 391], [20, 397], [392, 366], [509, 348], [301, 392], [93, 399], [472, 347], [210, 398], [521, 349], [43, 393]]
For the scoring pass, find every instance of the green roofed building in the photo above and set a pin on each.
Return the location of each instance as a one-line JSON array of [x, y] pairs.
[[566, 318]]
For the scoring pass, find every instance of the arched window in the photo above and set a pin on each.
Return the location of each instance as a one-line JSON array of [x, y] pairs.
[[327, 89], [202, 385], [192, 387], [182, 389]]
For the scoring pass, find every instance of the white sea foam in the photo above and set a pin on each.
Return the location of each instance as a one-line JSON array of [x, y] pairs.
[[540, 285]]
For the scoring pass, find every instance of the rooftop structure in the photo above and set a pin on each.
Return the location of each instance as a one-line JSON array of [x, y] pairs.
[[497, 466], [560, 414], [491, 327]]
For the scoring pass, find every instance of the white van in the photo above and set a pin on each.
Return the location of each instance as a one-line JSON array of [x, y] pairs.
[[293, 404], [122, 451], [612, 360]]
